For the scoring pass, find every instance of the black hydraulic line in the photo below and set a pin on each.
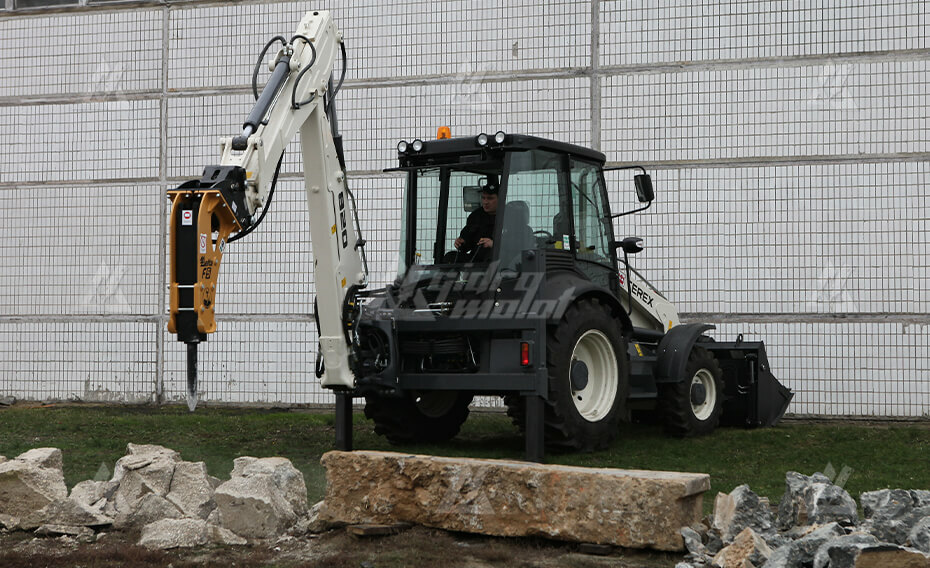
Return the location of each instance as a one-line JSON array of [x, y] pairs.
[[342, 77], [265, 207], [258, 63], [294, 103]]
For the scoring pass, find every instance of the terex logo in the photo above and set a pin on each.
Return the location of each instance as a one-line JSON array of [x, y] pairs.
[[641, 294]]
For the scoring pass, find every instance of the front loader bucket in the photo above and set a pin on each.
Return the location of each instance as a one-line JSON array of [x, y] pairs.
[[754, 397]]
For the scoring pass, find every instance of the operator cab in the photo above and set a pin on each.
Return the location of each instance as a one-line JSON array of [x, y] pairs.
[[551, 200]]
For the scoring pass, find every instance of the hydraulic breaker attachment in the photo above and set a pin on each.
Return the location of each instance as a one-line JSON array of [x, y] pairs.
[[201, 209], [754, 397]]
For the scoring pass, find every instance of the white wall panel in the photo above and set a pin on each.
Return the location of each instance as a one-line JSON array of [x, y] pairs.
[[723, 114], [821, 239], [67, 251], [637, 32], [78, 361], [84, 55], [216, 46], [374, 120], [80, 142]]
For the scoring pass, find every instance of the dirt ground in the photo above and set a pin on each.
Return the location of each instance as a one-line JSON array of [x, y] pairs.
[[417, 546]]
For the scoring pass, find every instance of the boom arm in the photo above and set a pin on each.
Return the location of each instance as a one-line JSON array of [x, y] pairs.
[[205, 213]]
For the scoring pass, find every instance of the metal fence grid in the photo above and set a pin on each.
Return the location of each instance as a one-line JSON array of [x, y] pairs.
[[788, 143]]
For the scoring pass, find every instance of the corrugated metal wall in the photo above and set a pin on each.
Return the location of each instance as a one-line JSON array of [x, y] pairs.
[[787, 139]]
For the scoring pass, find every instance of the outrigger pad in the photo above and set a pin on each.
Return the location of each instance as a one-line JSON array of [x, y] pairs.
[[754, 397]]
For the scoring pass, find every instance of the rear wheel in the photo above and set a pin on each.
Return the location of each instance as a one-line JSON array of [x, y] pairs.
[[692, 406], [588, 380], [427, 416]]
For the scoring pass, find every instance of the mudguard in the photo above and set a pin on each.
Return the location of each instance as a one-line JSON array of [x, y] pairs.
[[674, 350]]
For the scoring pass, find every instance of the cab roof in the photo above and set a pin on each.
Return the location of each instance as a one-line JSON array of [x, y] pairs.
[[451, 151]]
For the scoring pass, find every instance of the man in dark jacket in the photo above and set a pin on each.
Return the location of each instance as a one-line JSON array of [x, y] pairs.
[[475, 242]]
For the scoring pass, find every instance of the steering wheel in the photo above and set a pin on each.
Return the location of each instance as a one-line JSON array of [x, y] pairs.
[[542, 232]]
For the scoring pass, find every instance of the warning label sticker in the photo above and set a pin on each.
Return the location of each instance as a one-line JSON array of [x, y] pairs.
[[187, 217], [203, 243]]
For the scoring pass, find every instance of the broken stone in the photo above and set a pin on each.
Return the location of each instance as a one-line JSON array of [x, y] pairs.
[[81, 533], [841, 552], [253, 507], [634, 509], [748, 547], [286, 477], [919, 537], [150, 508], [693, 543], [892, 513], [191, 490], [185, 533], [92, 493], [31, 481], [147, 469], [48, 458], [739, 510], [68, 512], [801, 552], [814, 500], [313, 522]]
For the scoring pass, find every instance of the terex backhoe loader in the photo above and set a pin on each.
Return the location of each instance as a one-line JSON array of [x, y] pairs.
[[550, 315]]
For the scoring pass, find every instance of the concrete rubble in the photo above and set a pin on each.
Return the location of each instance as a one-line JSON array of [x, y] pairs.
[[175, 504], [172, 502], [633, 509], [817, 526]]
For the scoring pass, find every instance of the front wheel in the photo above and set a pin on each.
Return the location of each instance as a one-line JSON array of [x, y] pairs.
[[692, 406]]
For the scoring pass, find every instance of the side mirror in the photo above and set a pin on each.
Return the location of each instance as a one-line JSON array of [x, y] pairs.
[[630, 245], [644, 190]]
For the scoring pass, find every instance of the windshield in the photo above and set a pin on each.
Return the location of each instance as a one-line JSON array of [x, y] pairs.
[[446, 214]]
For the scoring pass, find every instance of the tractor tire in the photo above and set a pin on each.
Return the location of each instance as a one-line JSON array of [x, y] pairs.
[[429, 416], [692, 406], [584, 416]]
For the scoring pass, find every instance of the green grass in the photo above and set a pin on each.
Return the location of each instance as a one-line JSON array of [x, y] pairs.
[[91, 436]]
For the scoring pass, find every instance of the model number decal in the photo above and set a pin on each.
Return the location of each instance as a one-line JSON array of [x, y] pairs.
[[342, 219]]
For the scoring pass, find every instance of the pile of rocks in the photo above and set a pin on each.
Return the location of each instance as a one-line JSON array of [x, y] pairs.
[[174, 503], [816, 525]]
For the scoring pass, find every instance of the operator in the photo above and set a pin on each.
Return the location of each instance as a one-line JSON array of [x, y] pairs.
[[475, 239]]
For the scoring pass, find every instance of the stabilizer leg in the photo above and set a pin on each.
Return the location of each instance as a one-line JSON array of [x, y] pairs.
[[535, 429]]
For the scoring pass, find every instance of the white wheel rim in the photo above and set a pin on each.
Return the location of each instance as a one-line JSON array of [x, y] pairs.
[[435, 404], [705, 409], [596, 399]]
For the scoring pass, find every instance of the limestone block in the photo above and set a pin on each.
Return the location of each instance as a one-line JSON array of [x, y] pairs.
[[185, 533], [629, 508], [81, 533], [748, 548], [31, 481], [149, 509], [91, 493], [69, 512], [253, 507], [146, 469], [285, 476], [191, 490]]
